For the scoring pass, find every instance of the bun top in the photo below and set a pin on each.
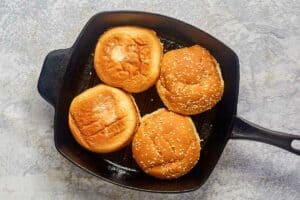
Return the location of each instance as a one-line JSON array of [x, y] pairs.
[[166, 144], [128, 57], [190, 81]]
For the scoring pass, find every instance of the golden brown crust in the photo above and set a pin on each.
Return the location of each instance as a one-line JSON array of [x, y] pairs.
[[190, 81], [166, 145], [128, 57], [103, 119]]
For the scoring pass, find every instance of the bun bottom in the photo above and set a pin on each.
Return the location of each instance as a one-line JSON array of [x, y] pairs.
[[103, 119]]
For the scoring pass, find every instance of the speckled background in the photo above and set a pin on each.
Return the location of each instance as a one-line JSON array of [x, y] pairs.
[[265, 35]]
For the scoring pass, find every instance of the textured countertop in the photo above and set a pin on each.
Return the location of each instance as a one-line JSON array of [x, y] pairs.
[[264, 34]]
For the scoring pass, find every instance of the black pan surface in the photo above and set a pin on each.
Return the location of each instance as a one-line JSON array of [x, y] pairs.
[[68, 72]]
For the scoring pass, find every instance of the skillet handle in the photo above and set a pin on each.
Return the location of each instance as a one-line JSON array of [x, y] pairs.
[[242, 129], [52, 74]]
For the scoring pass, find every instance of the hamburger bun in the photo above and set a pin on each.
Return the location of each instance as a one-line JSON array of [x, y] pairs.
[[128, 57], [166, 145], [103, 119], [190, 81]]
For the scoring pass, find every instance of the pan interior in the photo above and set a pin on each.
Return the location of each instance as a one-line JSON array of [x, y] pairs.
[[147, 102], [119, 167]]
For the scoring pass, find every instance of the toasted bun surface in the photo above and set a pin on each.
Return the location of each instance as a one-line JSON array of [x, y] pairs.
[[190, 80], [128, 57], [166, 144], [103, 119]]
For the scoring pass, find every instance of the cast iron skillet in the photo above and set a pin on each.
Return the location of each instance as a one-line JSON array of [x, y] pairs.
[[68, 72]]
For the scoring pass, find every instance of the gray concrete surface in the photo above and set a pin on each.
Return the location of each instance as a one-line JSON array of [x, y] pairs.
[[265, 35]]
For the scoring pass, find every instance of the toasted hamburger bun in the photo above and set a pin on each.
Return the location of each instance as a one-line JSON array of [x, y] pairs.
[[166, 144], [103, 119], [128, 57], [190, 81]]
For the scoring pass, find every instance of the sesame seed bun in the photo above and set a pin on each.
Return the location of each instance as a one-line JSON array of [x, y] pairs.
[[166, 145], [103, 119], [190, 81], [128, 57]]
